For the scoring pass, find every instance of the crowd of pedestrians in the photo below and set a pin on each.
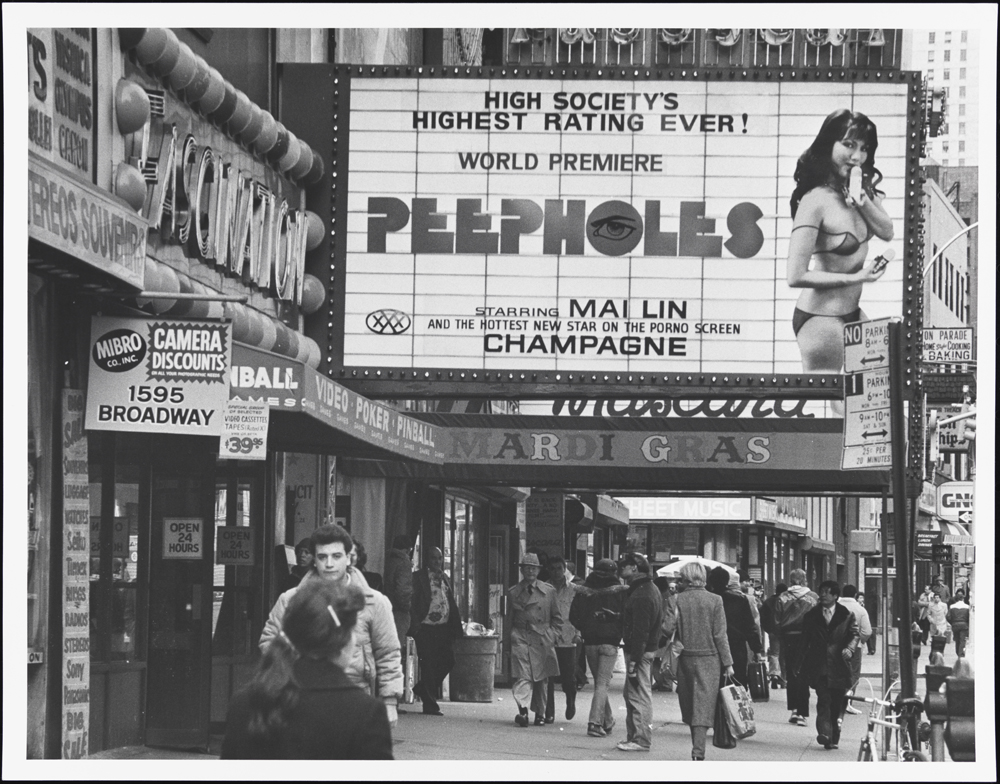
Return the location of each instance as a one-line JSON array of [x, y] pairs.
[[331, 675]]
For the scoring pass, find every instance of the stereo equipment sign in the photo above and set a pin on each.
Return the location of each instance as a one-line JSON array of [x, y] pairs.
[[555, 224]]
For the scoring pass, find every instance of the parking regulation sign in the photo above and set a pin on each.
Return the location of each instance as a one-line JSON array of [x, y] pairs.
[[867, 431]]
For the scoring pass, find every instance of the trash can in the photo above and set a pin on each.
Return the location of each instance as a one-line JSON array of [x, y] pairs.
[[471, 678]]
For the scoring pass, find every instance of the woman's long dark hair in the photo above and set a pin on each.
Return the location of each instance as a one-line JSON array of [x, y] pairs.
[[310, 630], [813, 167]]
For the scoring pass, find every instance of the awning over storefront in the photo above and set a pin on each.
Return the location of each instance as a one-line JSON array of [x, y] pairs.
[[947, 531], [311, 412]]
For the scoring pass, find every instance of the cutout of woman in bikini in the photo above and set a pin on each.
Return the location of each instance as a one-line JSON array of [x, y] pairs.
[[832, 229]]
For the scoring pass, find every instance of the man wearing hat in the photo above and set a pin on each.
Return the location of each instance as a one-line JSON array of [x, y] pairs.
[[533, 618], [640, 638]]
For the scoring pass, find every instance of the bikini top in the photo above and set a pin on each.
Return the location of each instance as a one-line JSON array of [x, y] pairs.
[[847, 245]]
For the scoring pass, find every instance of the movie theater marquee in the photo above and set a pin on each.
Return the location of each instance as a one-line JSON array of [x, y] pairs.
[[542, 224]]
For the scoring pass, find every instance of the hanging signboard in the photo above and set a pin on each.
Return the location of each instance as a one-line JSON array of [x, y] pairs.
[[948, 345], [75, 579], [954, 498], [244, 430], [563, 225], [158, 375]]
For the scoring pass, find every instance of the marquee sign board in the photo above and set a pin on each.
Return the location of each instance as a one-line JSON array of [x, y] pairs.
[[547, 226]]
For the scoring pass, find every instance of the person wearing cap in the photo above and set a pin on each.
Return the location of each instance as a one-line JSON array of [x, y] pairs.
[[533, 619], [641, 632], [598, 611], [303, 562]]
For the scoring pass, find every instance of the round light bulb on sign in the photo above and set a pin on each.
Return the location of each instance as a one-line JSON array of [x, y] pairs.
[[131, 107]]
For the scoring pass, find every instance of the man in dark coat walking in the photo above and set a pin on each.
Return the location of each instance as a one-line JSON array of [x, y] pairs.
[[829, 638], [741, 631], [640, 639]]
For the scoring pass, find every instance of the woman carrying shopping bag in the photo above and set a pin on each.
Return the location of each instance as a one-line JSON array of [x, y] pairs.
[[701, 629]]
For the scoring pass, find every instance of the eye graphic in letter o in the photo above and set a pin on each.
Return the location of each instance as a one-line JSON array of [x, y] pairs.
[[387, 322], [614, 228]]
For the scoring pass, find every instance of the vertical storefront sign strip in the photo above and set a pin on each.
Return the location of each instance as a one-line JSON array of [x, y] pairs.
[[75, 716]]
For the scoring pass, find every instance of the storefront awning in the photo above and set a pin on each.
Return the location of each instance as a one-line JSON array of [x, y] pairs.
[[948, 531], [312, 413]]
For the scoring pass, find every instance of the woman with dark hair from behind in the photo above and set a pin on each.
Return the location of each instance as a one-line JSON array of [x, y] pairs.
[[832, 224], [300, 704]]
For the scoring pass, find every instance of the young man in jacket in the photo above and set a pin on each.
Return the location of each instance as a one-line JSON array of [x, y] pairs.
[[789, 612], [641, 637], [435, 624], [374, 662], [829, 639], [598, 611]]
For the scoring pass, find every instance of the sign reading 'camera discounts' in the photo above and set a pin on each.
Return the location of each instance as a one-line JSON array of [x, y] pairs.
[[575, 224], [158, 375]]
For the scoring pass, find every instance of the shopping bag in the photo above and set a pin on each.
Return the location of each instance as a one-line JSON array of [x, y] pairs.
[[672, 655], [760, 688], [722, 735], [739, 709]]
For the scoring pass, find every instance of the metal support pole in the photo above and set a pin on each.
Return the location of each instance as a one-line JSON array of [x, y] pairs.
[[903, 555], [886, 609]]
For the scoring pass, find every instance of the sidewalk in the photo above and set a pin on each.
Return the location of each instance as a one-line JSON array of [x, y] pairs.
[[486, 731]]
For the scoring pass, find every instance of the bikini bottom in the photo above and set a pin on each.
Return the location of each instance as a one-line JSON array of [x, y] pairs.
[[800, 317]]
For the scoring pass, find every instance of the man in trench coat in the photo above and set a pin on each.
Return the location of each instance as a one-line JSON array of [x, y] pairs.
[[533, 617]]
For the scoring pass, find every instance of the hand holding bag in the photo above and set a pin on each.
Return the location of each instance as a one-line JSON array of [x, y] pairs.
[[739, 709], [722, 735]]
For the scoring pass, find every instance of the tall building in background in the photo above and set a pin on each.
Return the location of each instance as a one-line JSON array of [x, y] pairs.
[[950, 61]]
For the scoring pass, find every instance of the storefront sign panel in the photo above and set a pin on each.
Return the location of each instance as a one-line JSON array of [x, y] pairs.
[[262, 376], [86, 223], [75, 580], [680, 508], [627, 225], [62, 115], [948, 345], [544, 522], [373, 422], [743, 450], [954, 498], [158, 375]]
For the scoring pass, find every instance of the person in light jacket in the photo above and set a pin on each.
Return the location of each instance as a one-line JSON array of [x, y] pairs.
[[848, 598], [300, 703], [533, 617], [566, 639], [937, 613], [701, 629], [373, 663]]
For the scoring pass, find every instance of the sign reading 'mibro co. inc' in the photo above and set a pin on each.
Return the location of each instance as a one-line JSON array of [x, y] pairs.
[[158, 375], [553, 224]]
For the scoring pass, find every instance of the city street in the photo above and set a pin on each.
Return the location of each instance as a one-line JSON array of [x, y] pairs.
[[486, 731]]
